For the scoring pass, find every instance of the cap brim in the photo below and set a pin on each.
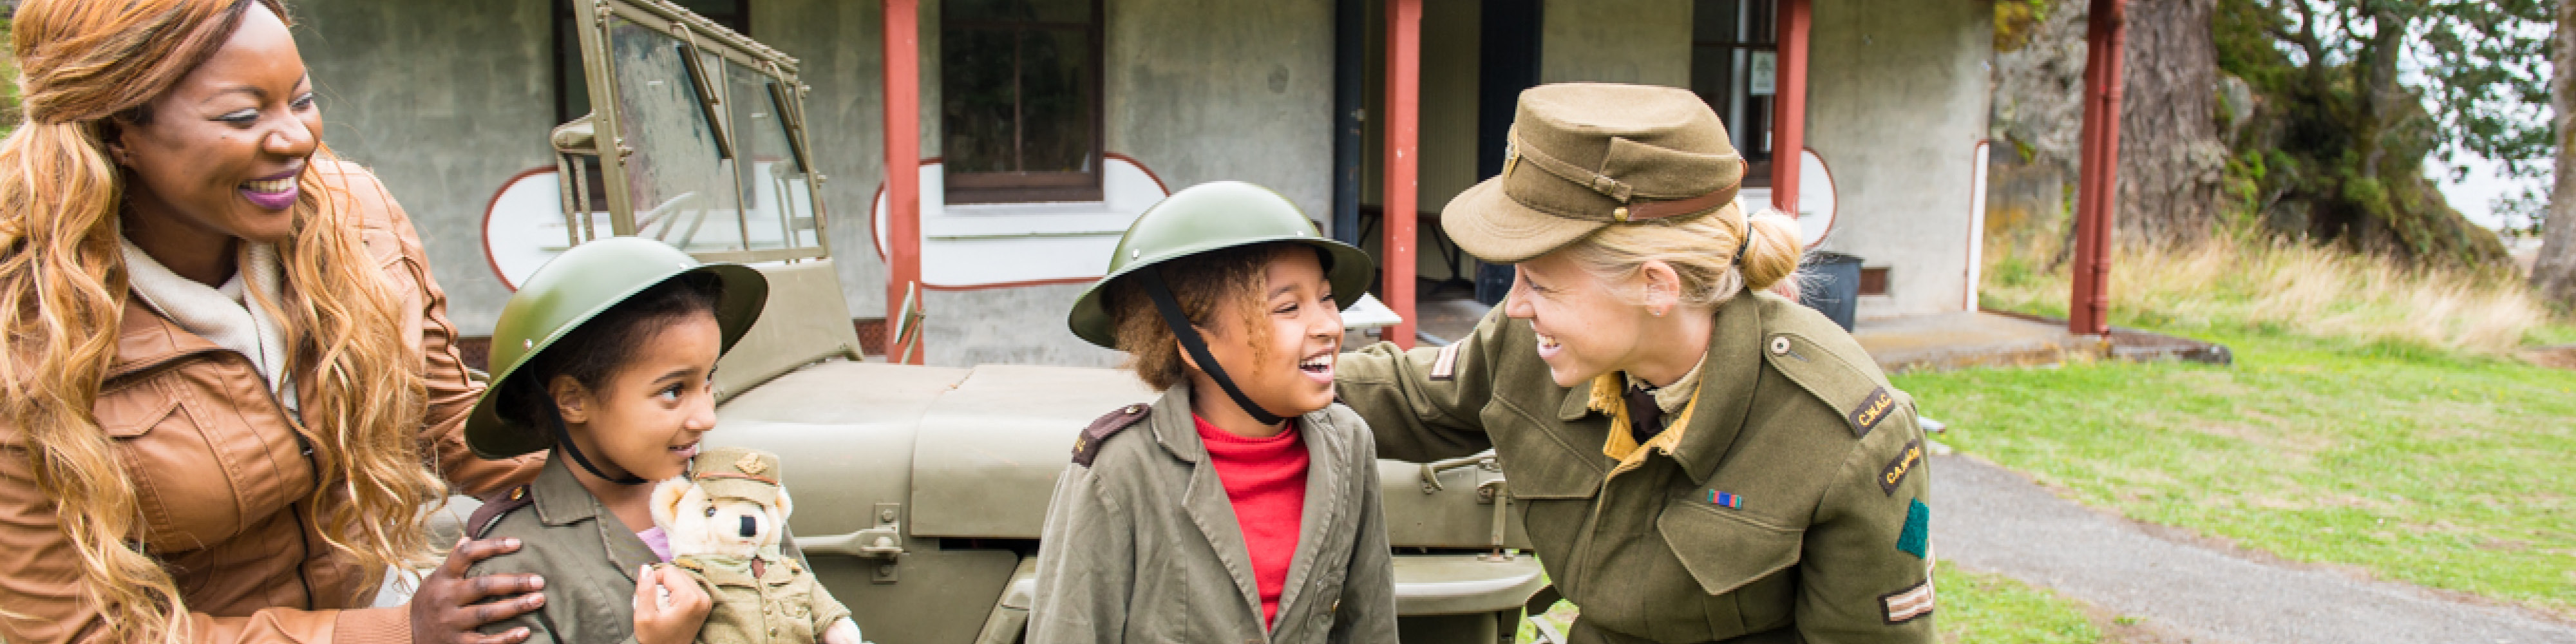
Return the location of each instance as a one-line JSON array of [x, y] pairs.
[[1350, 272], [1488, 224], [746, 293], [728, 488]]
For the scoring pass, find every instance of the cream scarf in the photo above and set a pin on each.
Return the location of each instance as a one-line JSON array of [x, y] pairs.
[[1673, 395], [224, 315]]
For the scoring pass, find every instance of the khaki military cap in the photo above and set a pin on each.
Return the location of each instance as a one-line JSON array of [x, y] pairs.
[[1584, 156], [739, 473]]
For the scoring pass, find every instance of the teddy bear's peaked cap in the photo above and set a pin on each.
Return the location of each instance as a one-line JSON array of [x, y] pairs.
[[737, 472]]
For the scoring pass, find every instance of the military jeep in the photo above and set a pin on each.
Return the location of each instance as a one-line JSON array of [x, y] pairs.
[[921, 489]]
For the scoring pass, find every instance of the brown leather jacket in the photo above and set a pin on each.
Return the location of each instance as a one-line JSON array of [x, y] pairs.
[[221, 477]]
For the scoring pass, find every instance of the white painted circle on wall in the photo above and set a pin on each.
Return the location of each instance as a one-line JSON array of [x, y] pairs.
[[1815, 198]]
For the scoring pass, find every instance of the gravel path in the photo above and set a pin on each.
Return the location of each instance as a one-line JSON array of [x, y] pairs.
[[1991, 519]]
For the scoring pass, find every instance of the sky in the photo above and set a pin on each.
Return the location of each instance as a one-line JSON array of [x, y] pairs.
[[2475, 195]]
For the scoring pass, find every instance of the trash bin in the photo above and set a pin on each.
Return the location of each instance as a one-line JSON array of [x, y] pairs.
[[1831, 286]]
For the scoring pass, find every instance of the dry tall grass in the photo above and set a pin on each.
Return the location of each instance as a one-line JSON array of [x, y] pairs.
[[2252, 284]]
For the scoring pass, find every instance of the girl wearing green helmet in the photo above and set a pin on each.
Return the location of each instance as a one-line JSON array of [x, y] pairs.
[[607, 357], [1243, 505]]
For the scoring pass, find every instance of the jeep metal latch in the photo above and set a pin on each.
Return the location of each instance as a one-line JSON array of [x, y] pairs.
[[885, 541]]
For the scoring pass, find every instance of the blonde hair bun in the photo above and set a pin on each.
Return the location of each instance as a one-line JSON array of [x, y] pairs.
[[1701, 250]]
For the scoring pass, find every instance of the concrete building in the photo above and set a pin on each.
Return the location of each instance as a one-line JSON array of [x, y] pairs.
[[448, 100]]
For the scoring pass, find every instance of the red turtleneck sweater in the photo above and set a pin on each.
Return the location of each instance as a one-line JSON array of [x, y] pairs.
[[1266, 479]]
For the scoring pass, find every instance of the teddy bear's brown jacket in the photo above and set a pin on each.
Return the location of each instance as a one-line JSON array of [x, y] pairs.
[[589, 560]]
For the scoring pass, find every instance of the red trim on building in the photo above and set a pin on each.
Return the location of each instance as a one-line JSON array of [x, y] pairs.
[[2088, 310], [902, 146], [1789, 121], [1403, 161], [1149, 172], [487, 222]]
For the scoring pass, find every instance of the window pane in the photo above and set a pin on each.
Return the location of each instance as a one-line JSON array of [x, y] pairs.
[[576, 85], [1065, 11], [575, 89], [725, 12], [978, 102], [1055, 102], [1715, 20], [772, 215], [683, 192], [1713, 76]]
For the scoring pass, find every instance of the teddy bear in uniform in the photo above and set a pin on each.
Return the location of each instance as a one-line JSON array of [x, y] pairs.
[[725, 520]]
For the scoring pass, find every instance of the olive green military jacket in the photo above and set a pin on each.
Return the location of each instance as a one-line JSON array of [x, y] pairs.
[[1791, 507], [777, 601], [1141, 543], [588, 558]]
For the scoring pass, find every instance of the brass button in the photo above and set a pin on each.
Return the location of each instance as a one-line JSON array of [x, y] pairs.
[[517, 493], [1779, 345]]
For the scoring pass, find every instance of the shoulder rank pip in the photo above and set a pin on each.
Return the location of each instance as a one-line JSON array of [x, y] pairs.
[[1087, 445]]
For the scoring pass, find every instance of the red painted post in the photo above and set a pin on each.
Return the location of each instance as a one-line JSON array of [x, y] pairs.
[[2088, 309], [1789, 106], [1403, 159], [902, 166]]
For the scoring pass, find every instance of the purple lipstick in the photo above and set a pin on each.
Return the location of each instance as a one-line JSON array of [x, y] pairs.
[[276, 192]]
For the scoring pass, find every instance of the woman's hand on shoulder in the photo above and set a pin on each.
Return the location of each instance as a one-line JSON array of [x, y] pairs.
[[449, 607], [669, 606]]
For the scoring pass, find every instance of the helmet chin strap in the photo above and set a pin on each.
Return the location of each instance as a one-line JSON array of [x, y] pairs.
[[563, 439], [1152, 280]]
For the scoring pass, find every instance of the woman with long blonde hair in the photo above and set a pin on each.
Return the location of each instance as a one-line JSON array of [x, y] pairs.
[[228, 386], [1695, 458]]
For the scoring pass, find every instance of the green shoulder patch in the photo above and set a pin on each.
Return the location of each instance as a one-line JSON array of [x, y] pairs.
[[1916, 538], [1087, 445]]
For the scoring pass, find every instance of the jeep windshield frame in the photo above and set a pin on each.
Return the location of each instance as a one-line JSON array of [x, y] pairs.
[[699, 135]]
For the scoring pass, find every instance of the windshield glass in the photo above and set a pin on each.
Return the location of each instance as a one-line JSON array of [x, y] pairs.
[[711, 168]]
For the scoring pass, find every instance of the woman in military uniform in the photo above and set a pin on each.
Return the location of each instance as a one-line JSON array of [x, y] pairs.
[[1695, 458]]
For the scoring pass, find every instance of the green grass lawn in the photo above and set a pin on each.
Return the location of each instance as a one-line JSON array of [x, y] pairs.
[[1971, 608], [1974, 608], [2434, 468]]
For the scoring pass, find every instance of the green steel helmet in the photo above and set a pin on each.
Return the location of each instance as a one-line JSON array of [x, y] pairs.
[[575, 287], [1210, 217]]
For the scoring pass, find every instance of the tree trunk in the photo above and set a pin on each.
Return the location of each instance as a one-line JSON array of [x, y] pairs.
[[2553, 273], [2171, 157]]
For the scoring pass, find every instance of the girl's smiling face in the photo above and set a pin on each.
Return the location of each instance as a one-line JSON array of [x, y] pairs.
[[647, 415], [1287, 366]]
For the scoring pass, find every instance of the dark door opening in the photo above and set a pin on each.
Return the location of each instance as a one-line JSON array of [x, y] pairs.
[[1509, 64]]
